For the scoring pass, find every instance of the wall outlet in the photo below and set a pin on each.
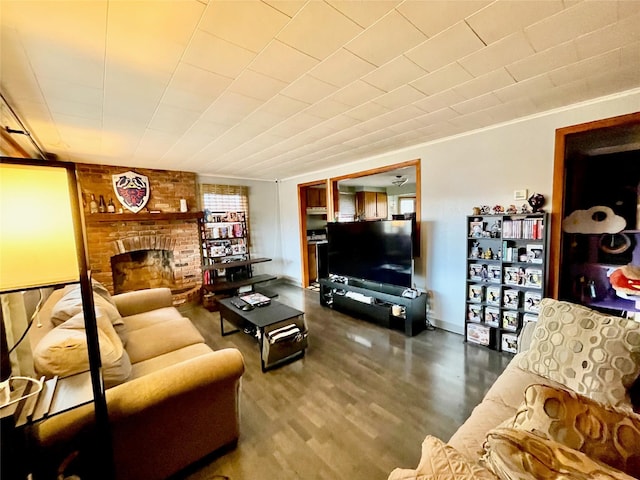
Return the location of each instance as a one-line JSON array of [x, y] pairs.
[[520, 194]]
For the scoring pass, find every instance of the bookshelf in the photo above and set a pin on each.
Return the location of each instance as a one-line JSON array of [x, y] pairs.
[[506, 276]]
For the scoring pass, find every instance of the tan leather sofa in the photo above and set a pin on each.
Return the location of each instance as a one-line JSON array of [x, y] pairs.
[[562, 408], [172, 399]]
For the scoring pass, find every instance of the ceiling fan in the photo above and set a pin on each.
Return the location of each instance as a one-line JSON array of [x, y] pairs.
[[399, 180]]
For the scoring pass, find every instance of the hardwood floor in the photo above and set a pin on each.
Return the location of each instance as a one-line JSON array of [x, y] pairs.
[[355, 407]]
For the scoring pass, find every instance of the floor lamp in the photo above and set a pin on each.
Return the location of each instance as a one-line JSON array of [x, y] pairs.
[[43, 244]]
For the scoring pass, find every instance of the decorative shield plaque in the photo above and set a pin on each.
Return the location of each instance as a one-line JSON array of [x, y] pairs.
[[132, 189]]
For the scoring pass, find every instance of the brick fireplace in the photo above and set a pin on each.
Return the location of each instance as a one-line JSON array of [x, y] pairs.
[[130, 251]]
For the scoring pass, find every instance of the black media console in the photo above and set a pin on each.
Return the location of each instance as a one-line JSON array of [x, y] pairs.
[[380, 303]]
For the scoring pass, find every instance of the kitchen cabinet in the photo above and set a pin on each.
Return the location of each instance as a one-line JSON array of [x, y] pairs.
[[371, 205]]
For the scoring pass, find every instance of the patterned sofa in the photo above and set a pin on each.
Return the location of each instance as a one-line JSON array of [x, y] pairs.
[[562, 409]]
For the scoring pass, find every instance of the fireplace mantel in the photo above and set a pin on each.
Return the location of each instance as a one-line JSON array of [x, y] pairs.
[[94, 218]]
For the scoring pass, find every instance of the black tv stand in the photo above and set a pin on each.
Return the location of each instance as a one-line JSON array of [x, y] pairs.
[[374, 302]]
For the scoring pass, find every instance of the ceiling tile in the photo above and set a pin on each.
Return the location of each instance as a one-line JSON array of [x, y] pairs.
[[367, 111], [570, 23], [486, 83], [525, 88], [230, 108], [443, 79], [341, 68], [434, 16], [133, 94], [446, 47], [256, 85], [386, 39], [497, 55], [365, 13], [356, 93], [288, 7], [250, 25], [395, 73], [612, 81], [216, 55], [610, 37], [309, 89], [194, 88], [327, 108], [439, 100], [318, 30], [585, 68], [399, 97], [174, 120], [542, 62], [500, 19], [476, 104], [284, 106], [282, 62]]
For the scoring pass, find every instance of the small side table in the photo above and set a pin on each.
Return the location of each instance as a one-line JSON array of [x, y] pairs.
[[57, 395]]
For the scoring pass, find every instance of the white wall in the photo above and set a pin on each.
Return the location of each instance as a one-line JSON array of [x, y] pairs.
[[482, 168]]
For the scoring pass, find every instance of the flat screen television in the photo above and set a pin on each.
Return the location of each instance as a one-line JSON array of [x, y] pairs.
[[376, 251]]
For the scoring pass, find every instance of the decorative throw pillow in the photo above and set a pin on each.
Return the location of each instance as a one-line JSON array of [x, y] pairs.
[[593, 354], [520, 455], [63, 350], [71, 304], [599, 431], [443, 462]]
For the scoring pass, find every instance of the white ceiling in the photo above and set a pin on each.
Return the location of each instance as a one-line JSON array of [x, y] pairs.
[[272, 89]]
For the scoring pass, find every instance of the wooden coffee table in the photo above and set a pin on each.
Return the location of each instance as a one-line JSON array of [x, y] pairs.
[[262, 320]]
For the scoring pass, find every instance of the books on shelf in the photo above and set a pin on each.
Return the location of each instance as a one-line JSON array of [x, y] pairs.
[[510, 320], [532, 301], [511, 298], [492, 295], [525, 228]]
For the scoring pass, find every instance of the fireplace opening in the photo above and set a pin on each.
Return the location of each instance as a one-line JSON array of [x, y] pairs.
[[142, 269]]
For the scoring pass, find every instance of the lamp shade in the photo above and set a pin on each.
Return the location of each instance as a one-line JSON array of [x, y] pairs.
[[37, 236]]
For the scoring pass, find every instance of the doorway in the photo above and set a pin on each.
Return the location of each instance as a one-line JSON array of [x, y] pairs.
[[312, 198], [584, 178]]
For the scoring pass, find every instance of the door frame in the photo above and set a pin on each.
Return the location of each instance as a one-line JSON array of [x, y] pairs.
[[559, 178], [302, 223]]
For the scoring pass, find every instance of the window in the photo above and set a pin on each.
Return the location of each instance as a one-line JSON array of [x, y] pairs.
[[407, 204], [226, 198]]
